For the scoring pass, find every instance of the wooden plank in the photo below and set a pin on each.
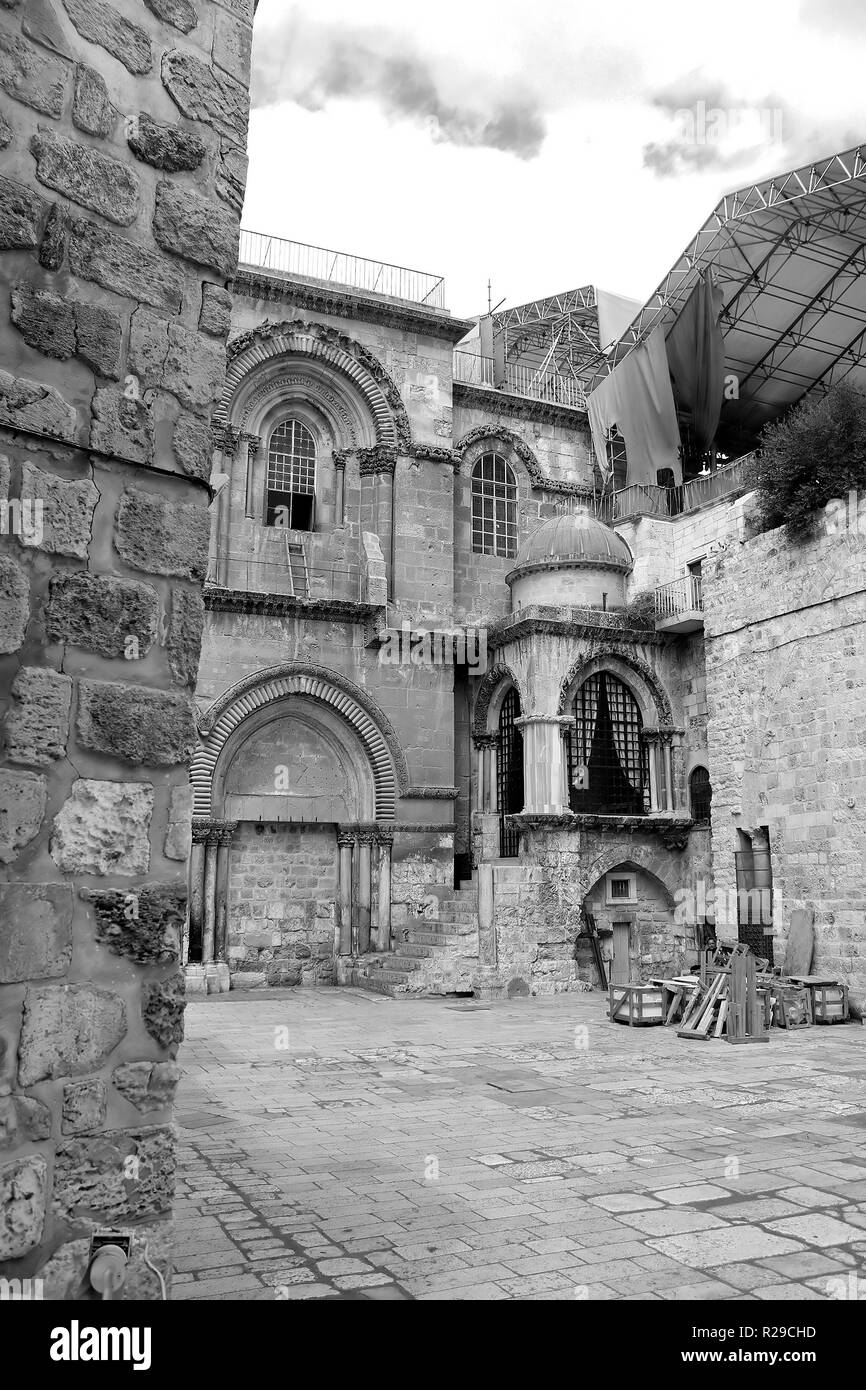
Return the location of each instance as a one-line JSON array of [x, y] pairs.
[[720, 1021]]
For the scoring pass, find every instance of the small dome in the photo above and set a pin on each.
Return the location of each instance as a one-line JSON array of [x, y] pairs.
[[575, 539]]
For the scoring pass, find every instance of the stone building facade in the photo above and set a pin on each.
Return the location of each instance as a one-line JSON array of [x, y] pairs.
[[122, 148]]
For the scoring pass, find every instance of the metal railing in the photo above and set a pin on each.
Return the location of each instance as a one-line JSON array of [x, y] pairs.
[[645, 499], [248, 575], [296, 259], [474, 370], [684, 595]]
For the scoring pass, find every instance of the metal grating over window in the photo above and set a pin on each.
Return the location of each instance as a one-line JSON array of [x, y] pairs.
[[509, 774], [608, 763], [700, 794], [291, 480], [494, 507]]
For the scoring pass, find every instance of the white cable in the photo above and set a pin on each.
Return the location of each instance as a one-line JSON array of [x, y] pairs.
[[155, 1271]]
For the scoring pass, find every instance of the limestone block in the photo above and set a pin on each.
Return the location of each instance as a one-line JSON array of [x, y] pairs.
[[162, 1006], [30, 76], [98, 335], [204, 95], [23, 797], [52, 248], [67, 511], [22, 1205], [232, 45], [165, 146], [184, 636], [144, 926], [34, 407], [23, 1120], [138, 725], [189, 225], [231, 177], [161, 536], [60, 327], [147, 1085], [97, 254], [178, 834], [184, 362], [84, 1106], [104, 828], [122, 425], [67, 1030], [216, 310], [35, 931], [115, 1176], [192, 442], [5, 132], [87, 176], [102, 614], [20, 214], [92, 110], [14, 604], [179, 13], [102, 24]]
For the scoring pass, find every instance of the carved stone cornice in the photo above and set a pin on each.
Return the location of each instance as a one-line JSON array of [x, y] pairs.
[[673, 832], [381, 458], [324, 610], [351, 304], [436, 453], [431, 793], [226, 438], [511, 630], [503, 403]]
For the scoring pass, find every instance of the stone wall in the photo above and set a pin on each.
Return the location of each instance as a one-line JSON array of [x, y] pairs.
[[785, 635], [282, 897], [124, 127]]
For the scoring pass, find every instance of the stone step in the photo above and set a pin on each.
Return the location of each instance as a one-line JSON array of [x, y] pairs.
[[429, 938], [408, 948], [401, 960], [375, 985]]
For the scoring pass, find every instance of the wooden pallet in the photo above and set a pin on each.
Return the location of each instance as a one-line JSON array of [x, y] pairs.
[[747, 1020]]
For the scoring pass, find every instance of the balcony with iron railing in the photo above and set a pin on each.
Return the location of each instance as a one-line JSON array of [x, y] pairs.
[[472, 369], [235, 578], [667, 503], [679, 607], [294, 260]]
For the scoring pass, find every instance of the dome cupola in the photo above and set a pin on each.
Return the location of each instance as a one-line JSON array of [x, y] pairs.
[[571, 560]]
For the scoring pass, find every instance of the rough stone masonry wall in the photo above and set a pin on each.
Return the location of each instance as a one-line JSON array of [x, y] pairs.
[[283, 889], [122, 129], [785, 630]]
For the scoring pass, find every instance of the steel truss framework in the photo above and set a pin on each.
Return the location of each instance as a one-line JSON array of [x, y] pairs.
[[789, 257], [555, 336]]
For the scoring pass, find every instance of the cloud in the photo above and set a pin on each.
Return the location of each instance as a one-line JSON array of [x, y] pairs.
[[715, 130], [840, 16], [314, 64]]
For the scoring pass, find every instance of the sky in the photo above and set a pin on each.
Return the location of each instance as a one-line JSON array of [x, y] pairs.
[[537, 144]]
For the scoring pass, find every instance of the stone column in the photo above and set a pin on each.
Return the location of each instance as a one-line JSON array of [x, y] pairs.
[[225, 835], [253, 444], [544, 788], [210, 882], [365, 843], [118, 238], [650, 739], [669, 784], [486, 746], [340, 489], [196, 891], [385, 840], [346, 843]]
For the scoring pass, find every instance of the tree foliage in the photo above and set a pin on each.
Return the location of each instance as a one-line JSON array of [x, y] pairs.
[[816, 453]]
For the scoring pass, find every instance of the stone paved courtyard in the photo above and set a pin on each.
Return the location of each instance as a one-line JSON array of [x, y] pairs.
[[341, 1144]]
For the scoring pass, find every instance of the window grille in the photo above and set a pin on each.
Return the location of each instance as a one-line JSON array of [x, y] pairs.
[[494, 507], [608, 762], [700, 794], [509, 774], [291, 481]]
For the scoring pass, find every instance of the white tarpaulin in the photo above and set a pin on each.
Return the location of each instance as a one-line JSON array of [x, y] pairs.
[[615, 313], [638, 399]]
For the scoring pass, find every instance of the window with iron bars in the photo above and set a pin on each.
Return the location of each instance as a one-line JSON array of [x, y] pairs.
[[290, 490], [700, 794], [494, 507], [608, 761]]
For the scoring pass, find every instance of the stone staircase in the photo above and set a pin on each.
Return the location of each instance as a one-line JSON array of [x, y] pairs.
[[434, 953]]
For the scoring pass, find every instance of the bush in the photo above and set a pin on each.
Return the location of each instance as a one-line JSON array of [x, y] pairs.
[[817, 452], [640, 613]]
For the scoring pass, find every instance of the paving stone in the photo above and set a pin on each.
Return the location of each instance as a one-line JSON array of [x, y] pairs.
[[817, 1229], [688, 1196], [716, 1247]]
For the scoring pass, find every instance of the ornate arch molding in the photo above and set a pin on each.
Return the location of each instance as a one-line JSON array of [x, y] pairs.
[[613, 655], [297, 338], [490, 685], [467, 451], [614, 858], [377, 736]]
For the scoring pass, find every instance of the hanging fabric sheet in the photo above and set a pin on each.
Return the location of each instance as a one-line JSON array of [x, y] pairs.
[[696, 357], [637, 397]]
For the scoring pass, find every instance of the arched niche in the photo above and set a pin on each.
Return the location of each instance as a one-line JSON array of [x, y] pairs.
[[294, 760], [653, 703]]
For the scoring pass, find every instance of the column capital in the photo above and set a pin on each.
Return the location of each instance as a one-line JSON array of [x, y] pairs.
[[565, 721], [384, 835], [345, 837], [486, 740], [253, 443]]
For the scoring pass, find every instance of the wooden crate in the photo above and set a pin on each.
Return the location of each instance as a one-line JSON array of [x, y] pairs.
[[793, 1007], [829, 1003], [637, 1005]]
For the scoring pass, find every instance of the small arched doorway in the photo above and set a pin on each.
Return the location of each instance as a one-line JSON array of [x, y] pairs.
[[509, 774]]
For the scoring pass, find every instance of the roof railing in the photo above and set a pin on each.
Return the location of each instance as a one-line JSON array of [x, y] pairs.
[[472, 369], [666, 503], [296, 259]]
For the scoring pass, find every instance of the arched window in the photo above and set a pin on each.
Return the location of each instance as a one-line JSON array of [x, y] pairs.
[[608, 764], [509, 773], [494, 507], [290, 489], [700, 794]]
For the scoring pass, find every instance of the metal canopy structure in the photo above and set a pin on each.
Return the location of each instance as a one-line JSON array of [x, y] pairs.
[[556, 336], [788, 256]]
